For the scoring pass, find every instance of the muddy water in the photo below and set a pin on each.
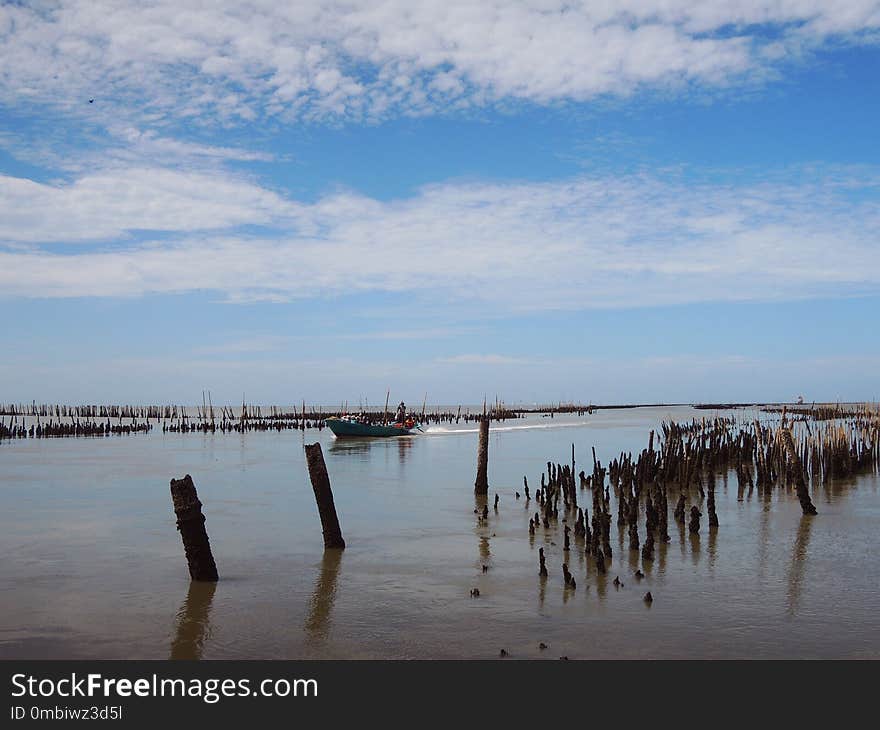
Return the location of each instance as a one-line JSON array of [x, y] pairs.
[[91, 564]]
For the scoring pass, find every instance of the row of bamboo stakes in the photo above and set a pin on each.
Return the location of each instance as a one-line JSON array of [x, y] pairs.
[[46, 421], [207, 411]]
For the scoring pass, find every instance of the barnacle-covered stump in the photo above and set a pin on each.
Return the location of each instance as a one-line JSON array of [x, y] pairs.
[[191, 524]]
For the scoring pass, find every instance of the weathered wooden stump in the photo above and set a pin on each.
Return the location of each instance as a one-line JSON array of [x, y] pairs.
[[324, 496], [567, 577], [648, 547], [600, 562], [679, 512], [694, 525], [191, 524], [710, 502], [798, 469], [481, 485]]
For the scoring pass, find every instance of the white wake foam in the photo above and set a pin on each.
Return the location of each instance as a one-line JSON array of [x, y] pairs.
[[444, 430]]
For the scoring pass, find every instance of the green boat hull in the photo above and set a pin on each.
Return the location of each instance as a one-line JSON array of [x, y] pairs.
[[343, 428]]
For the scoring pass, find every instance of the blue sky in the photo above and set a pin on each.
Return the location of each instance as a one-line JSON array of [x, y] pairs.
[[637, 202]]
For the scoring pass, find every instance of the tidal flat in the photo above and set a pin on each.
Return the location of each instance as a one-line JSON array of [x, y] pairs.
[[92, 566]]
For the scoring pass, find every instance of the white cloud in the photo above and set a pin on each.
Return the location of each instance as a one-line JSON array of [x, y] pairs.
[[108, 203], [370, 58], [586, 242]]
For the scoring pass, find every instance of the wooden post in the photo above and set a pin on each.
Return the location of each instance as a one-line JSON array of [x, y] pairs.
[[481, 485], [324, 497], [800, 485], [710, 499], [191, 523]]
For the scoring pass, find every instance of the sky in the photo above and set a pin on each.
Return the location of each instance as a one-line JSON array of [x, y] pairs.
[[637, 201]]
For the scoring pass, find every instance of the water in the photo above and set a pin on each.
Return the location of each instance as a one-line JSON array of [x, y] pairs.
[[91, 565]]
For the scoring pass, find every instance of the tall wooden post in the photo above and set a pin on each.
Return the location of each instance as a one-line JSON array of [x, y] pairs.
[[324, 496], [481, 485], [191, 524]]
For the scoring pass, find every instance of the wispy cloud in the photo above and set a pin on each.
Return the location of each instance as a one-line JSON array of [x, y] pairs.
[[585, 242], [137, 144], [225, 62], [263, 343], [488, 359], [275, 343], [427, 333]]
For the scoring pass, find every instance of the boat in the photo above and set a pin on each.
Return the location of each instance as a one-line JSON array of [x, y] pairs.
[[351, 427]]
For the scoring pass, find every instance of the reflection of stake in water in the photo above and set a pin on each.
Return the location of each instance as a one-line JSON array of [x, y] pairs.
[[193, 626], [798, 563], [695, 548], [318, 620], [713, 539], [485, 552]]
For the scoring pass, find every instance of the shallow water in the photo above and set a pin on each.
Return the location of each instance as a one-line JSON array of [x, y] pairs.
[[91, 564]]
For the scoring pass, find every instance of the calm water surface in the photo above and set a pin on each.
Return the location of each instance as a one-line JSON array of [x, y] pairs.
[[91, 564]]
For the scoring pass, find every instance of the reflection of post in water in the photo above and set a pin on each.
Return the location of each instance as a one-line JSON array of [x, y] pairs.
[[192, 625], [633, 560], [601, 584], [695, 548], [764, 538], [798, 563], [485, 553], [713, 537], [318, 620]]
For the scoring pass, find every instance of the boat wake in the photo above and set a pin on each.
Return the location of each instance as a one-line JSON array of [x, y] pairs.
[[445, 431]]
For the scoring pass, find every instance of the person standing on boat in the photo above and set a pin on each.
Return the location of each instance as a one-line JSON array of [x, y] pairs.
[[401, 412]]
